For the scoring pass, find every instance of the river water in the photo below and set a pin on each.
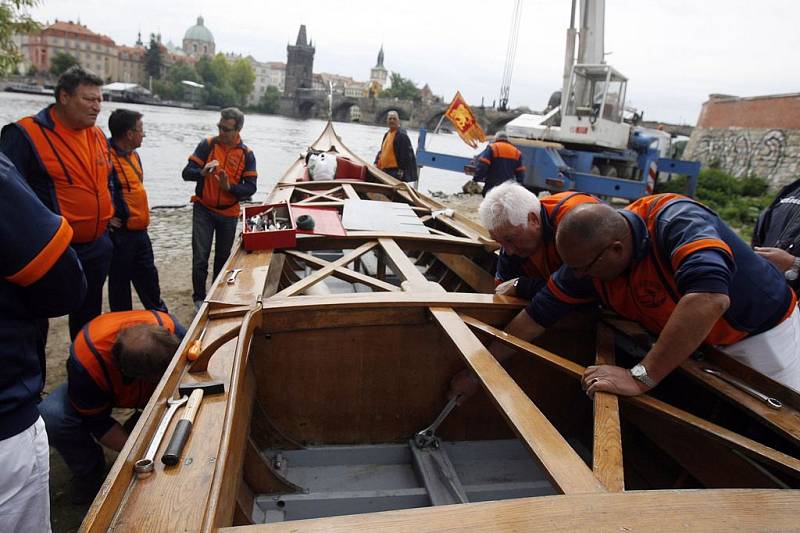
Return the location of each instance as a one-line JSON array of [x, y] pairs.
[[172, 134]]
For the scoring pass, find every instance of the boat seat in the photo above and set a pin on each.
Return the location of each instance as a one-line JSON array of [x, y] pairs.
[[349, 170]]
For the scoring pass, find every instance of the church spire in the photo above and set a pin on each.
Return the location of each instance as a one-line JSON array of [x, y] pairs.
[[380, 57]]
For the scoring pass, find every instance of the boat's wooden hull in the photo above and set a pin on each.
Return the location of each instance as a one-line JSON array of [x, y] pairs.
[[308, 364]]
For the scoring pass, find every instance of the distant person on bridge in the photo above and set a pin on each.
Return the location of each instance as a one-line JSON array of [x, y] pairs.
[[776, 236], [501, 161], [65, 158], [675, 267], [133, 252], [396, 156], [525, 226], [224, 169]]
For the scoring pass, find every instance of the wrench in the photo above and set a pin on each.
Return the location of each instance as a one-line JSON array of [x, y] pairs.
[[771, 402], [143, 467], [426, 437], [232, 277]]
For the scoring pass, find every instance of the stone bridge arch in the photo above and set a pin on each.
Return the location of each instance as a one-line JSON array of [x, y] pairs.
[[341, 109], [307, 108], [380, 116]]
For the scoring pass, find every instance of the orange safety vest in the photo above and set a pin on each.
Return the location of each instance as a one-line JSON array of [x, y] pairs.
[[388, 159], [80, 183], [504, 150], [545, 261], [131, 180], [647, 293], [92, 349], [232, 161]]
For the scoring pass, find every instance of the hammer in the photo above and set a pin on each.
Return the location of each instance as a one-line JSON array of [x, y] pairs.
[[184, 426]]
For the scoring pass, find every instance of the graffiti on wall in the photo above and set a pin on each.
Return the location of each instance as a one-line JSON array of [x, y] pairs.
[[736, 152]]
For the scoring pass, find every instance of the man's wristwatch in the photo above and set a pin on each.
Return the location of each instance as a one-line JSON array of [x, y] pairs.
[[793, 271], [639, 373]]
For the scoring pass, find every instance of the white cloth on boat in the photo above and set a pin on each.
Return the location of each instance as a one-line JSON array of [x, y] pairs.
[[322, 166], [774, 353], [24, 480]]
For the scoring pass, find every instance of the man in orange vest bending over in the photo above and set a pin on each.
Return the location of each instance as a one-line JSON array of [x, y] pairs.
[[225, 171], [501, 161], [65, 159], [115, 361], [675, 267], [133, 260]]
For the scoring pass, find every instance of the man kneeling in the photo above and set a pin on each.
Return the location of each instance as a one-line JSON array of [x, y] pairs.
[[115, 361]]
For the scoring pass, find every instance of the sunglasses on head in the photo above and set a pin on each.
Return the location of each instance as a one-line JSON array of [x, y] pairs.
[[225, 129]]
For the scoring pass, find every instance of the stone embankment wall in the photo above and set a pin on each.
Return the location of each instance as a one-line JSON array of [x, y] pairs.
[[757, 136]]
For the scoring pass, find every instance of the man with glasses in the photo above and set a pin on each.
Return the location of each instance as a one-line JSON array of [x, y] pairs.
[[133, 260], [675, 267], [224, 169]]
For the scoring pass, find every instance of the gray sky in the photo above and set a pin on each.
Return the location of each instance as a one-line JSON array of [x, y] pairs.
[[674, 52]]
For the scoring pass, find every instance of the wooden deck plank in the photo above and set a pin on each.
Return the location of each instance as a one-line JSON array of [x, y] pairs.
[[607, 453], [560, 462], [663, 510], [475, 276], [398, 299]]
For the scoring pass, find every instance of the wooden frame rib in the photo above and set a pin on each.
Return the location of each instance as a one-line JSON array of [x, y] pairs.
[[607, 454], [344, 273]]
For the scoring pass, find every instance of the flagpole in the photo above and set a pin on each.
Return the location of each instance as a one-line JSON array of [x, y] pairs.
[[439, 125]]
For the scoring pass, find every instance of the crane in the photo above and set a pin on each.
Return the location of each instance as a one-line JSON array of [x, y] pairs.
[[511, 54]]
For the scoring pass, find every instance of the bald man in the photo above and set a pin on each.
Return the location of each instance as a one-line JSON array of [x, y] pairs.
[[674, 266], [396, 156]]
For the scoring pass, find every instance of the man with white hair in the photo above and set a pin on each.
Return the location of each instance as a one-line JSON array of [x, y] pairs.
[[396, 156], [501, 161], [525, 226]]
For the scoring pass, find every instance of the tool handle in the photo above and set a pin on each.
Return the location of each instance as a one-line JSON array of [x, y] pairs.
[[192, 405], [175, 447], [194, 350]]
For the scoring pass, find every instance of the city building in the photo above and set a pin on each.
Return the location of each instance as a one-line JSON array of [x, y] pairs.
[[378, 76], [198, 41], [93, 51]]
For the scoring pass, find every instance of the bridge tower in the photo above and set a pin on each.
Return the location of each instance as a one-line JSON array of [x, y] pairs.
[[299, 64]]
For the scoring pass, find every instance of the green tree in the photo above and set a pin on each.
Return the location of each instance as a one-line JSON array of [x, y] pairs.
[[270, 101], [402, 88], [153, 60], [14, 19], [242, 79], [179, 71], [223, 96], [61, 62]]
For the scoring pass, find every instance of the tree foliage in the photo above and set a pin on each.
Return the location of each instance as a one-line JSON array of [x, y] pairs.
[[242, 79], [61, 62], [153, 58], [402, 88], [170, 88], [270, 101], [14, 19], [226, 84]]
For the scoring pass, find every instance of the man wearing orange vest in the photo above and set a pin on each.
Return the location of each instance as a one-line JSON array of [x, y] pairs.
[[501, 161], [133, 252], [40, 277], [396, 156], [65, 159], [225, 171], [675, 267], [115, 362], [525, 226]]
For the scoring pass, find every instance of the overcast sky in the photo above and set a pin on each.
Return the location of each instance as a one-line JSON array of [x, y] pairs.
[[674, 52]]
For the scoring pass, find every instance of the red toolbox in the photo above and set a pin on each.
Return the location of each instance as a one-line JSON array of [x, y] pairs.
[[267, 239]]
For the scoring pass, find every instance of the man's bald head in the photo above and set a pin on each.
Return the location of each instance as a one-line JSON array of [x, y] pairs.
[[594, 239], [144, 351]]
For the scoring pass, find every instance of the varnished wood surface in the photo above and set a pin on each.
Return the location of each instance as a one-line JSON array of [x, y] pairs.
[[637, 511], [607, 442]]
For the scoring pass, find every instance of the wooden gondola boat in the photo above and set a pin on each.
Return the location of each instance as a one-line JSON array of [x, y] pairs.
[[336, 351]]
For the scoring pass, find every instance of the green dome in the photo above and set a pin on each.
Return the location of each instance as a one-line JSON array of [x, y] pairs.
[[199, 32]]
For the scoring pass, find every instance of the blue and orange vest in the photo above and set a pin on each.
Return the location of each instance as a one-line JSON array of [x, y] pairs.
[[232, 161], [92, 350], [130, 177], [79, 166], [647, 293]]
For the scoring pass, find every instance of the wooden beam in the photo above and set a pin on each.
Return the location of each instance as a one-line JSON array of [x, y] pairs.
[[397, 299], [403, 266], [559, 461], [350, 192], [475, 276], [322, 273], [346, 274], [607, 453], [650, 510], [749, 447]]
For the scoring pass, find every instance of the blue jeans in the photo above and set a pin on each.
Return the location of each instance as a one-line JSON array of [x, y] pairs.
[[133, 262], [69, 434], [95, 257], [204, 224]]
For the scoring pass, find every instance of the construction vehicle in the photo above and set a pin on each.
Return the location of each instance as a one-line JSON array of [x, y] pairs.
[[584, 140]]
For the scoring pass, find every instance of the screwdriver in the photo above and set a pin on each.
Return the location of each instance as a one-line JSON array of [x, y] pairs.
[[197, 346]]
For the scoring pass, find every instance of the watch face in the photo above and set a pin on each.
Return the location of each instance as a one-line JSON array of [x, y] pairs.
[[790, 275]]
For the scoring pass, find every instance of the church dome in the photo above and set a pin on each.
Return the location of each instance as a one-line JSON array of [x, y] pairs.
[[199, 32]]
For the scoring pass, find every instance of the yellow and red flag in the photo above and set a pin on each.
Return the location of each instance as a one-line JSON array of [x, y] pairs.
[[465, 122]]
